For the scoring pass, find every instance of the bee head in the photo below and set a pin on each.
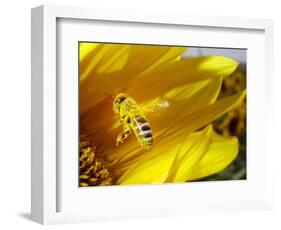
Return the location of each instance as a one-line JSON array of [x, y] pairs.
[[117, 102]]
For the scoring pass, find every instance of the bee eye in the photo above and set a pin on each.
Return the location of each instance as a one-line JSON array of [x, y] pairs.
[[120, 99]]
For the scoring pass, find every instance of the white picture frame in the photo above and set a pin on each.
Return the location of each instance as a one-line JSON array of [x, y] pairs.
[[46, 195]]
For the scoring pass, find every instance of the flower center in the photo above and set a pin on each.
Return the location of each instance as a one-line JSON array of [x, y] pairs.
[[93, 170]]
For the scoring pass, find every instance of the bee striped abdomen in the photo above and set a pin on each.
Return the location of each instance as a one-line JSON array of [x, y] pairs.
[[143, 131]]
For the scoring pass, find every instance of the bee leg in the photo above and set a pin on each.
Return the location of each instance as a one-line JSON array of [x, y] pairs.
[[122, 136]]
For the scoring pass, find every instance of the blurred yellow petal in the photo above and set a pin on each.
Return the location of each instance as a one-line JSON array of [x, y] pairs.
[[102, 59], [85, 49], [179, 73], [222, 151]]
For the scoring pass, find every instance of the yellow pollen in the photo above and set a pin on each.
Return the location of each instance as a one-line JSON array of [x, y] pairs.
[[93, 170]]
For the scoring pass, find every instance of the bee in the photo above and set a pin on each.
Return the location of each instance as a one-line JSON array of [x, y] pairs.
[[133, 120]]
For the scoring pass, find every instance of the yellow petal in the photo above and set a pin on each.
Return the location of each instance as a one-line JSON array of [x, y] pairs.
[[222, 151], [143, 58], [151, 169], [192, 149], [179, 73], [183, 100], [101, 58], [200, 118], [172, 163], [172, 55], [205, 92], [85, 49], [108, 68], [193, 157]]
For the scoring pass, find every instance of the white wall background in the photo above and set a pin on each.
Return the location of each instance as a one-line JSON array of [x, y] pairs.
[[15, 113]]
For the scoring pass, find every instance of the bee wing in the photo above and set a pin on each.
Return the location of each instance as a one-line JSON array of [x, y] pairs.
[[155, 106]]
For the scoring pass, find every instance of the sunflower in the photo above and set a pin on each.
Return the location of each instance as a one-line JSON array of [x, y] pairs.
[[185, 145]]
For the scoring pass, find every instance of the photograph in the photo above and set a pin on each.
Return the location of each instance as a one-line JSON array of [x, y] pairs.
[[155, 114]]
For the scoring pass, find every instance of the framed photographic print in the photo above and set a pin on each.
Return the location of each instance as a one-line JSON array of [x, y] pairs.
[[142, 114]]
